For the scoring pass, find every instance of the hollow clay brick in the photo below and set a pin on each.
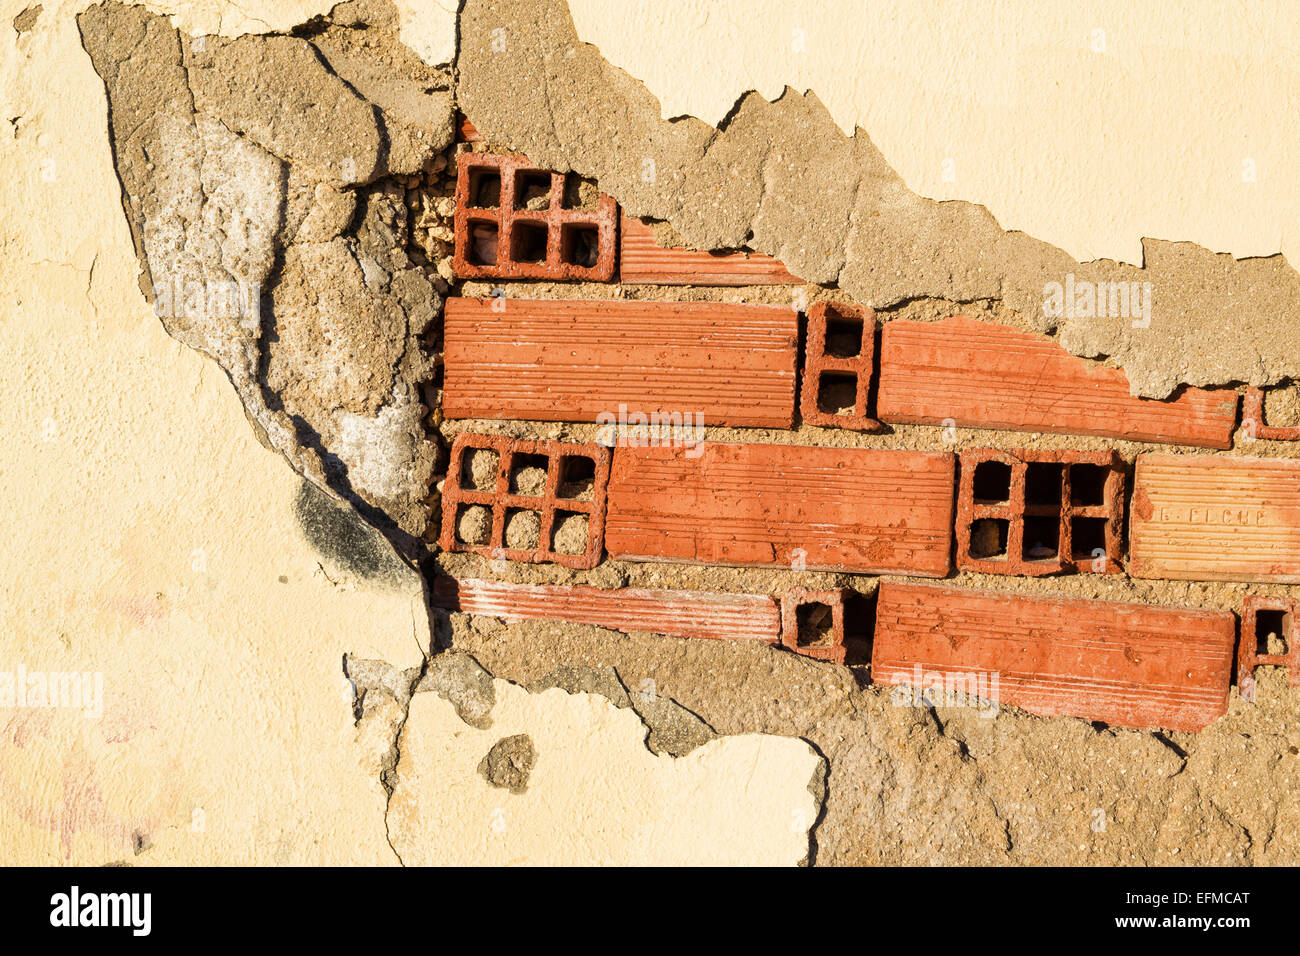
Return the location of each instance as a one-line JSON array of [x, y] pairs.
[[842, 509], [550, 505], [1067, 507], [694, 614], [512, 225], [1248, 654], [833, 648], [1209, 518], [983, 375], [571, 360], [1252, 417], [819, 359], [641, 259], [1132, 665]]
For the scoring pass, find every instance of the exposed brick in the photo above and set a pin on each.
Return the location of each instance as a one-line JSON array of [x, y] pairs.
[[1035, 512], [845, 509], [510, 241], [575, 484], [1252, 417], [838, 363], [798, 602], [1134, 665], [1249, 655], [468, 134], [1215, 519], [983, 375], [641, 259], [693, 614], [572, 360]]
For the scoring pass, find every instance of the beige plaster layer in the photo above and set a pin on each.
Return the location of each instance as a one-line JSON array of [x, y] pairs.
[[1088, 125], [596, 794]]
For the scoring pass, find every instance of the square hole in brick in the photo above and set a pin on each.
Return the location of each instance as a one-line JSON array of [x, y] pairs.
[[528, 241], [580, 245], [474, 525], [484, 187], [843, 335], [523, 529], [1271, 631], [837, 393], [1042, 540], [528, 475], [988, 538], [992, 482], [533, 190], [577, 478], [1088, 484], [1087, 538], [484, 237], [580, 192], [1043, 483], [569, 533], [815, 625], [479, 469]]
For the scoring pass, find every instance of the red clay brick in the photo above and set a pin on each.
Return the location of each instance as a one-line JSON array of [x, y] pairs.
[[468, 134], [832, 647], [1215, 519], [641, 259], [694, 614], [572, 360], [1132, 665], [840, 348], [1014, 507], [561, 497], [506, 241], [983, 375], [843, 509], [1252, 417], [1249, 656]]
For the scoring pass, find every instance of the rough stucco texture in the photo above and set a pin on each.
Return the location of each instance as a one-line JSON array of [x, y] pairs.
[[782, 178]]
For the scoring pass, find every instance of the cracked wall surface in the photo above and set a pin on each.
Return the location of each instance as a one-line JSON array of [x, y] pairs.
[[234, 606]]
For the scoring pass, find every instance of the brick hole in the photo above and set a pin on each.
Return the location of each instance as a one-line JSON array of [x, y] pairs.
[[1088, 484], [484, 238], [580, 192], [815, 625], [843, 335], [528, 241], [523, 529], [1270, 631], [1042, 539], [528, 475], [859, 626], [577, 478], [580, 245], [837, 393], [1043, 483], [992, 482], [479, 468], [1087, 536], [533, 190], [473, 525], [569, 533], [988, 537], [484, 188], [1282, 405]]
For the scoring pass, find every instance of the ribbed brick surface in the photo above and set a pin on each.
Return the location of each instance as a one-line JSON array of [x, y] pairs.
[[571, 360], [848, 509], [677, 613], [983, 375], [642, 260], [1132, 665], [1215, 519]]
